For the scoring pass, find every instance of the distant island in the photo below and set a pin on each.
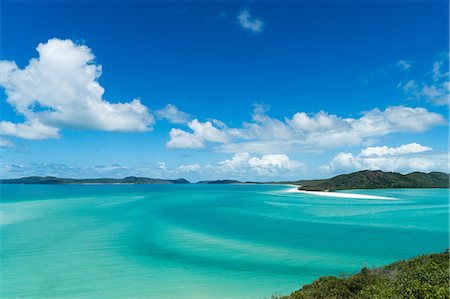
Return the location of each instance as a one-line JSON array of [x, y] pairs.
[[50, 180], [221, 182], [377, 179], [366, 179], [424, 276]]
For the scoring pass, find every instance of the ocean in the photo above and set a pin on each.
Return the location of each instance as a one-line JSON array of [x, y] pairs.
[[204, 241]]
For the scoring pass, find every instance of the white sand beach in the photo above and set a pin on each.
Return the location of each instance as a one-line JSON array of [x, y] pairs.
[[345, 195]]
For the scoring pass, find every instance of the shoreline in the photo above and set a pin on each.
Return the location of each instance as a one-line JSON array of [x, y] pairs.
[[295, 189], [347, 195]]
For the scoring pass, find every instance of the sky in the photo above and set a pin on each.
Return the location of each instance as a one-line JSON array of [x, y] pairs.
[[246, 90]]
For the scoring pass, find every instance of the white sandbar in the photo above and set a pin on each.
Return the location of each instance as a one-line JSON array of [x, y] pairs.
[[346, 195]]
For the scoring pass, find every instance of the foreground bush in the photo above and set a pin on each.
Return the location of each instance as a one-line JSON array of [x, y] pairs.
[[426, 276]]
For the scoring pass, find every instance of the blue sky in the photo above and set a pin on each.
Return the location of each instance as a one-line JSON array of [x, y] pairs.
[[247, 90]]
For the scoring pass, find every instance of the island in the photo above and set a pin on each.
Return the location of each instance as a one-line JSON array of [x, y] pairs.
[[50, 180], [376, 179], [425, 276], [366, 179], [221, 182]]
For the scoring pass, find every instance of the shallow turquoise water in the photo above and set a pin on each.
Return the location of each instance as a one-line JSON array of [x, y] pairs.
[[202, 241]]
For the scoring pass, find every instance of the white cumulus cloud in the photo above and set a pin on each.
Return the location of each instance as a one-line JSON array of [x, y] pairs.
[[60, 89], [303, 132], [405, 158], [320, 122], [266, 165], [380, 151], [30, 129], [201, 132]]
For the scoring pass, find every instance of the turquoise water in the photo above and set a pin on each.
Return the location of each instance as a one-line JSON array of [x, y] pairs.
[[202, 241]]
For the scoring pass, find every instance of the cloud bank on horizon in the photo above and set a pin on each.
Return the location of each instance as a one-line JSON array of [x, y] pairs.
[[60, 90]]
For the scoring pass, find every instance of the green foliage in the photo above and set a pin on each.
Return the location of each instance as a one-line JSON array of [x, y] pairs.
[[220, 182], [423, 277], [378, 179]]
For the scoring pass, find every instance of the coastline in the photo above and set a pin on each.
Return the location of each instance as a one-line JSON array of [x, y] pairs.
[[340, 194], [366, 179], [347, 195]]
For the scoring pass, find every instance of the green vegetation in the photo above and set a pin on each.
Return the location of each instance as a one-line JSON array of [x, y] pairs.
[[221, 182], [426, 276], [62, 181], [377, 179]]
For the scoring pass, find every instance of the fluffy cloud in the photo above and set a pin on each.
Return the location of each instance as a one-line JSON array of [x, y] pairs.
[[342, 161], [172, 115], [435, 88], [272, 164], [398, 119], [263, 127], [249, 23], [303, 132], [60, 89], [31, 129], [405, 158], [266, 165], [320, 122], [238, 162], [202, 132], [380, 151]]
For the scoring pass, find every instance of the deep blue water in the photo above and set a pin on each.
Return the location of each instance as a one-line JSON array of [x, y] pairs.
[[203, 241]]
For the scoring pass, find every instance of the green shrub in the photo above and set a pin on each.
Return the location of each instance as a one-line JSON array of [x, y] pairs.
[[423, 277]]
